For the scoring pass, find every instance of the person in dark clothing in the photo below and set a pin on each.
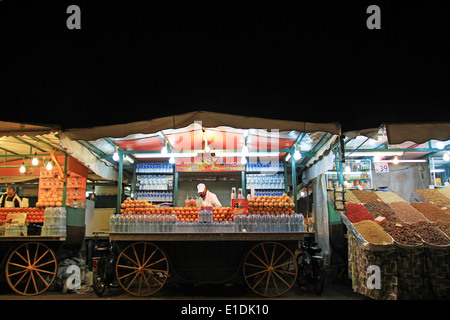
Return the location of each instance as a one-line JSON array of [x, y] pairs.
[[10, 199]]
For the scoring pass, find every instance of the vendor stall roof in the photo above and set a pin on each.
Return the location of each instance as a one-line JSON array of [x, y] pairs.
[[208, 119], [413, 142], [22, 142], [208, 132], [19, 143]]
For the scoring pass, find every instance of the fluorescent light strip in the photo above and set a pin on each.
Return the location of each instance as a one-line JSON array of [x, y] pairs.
[[407, 160], [372, 154], [167, 155], [249, 154]]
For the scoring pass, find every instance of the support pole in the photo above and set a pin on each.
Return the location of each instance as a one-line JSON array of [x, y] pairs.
[[175, 188], [294, 180], [119, 182], [243, 185], [64, 198]]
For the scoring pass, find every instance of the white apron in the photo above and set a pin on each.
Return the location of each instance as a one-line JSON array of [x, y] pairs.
[[10, 204]]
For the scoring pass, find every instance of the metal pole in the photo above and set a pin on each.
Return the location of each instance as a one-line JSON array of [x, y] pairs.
[[119, 182], [133, 184], [65, 182], [175, 188], [294, 181], [243, 185]]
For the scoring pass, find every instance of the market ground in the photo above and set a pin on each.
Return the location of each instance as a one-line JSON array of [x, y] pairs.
[[200, 292]]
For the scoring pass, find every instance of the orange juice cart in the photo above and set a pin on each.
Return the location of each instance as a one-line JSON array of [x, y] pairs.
[[51, 219], [165, 159]]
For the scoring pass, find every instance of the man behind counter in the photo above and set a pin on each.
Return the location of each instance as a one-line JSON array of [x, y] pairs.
[[209, 198], [10, 199]]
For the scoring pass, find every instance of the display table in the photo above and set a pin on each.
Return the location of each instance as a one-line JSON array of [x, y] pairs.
[[211, 236], [267, 261]]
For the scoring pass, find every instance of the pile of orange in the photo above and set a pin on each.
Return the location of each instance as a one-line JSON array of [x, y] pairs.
[[49, 199], [130, 206], [271, 205], [34, 215], [186, 213]]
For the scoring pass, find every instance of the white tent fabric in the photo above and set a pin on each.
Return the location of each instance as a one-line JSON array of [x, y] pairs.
[[208, 119], [320, 167], [417, 132], [86, 157], [321, 216]]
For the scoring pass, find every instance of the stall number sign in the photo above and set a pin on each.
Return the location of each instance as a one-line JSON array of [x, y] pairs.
[[381, 167], [16, 219], [240, 206]]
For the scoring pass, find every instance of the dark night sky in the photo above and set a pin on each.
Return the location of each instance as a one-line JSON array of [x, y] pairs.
[[304, 60]]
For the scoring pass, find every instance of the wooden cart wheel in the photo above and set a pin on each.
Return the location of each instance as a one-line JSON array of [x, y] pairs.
[[142, 269], [270, 269], [31, 268]]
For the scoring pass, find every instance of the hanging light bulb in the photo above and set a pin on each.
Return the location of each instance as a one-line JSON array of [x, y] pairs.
[[35, 160], [207, 148], [116, 155], [245, 150], [297, 154], [244, 160], [395, 160], [22, 168], [447, 156], [164, 150], [172, 160], [440, 145], [49, 166]]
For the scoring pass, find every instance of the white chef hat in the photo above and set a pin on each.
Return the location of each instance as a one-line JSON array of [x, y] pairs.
[[201, 187]]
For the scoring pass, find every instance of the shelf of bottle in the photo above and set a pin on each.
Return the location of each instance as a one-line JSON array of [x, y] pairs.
[[153, 190], [249, 188], [352, 172], [155, 173], [352, 188]]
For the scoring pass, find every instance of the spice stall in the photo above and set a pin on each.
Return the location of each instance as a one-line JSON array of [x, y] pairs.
[[48, 222], [161, 231], [400, 224]]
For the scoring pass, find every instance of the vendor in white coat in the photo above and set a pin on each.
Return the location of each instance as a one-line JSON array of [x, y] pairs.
[[209, 198], [10, 199]]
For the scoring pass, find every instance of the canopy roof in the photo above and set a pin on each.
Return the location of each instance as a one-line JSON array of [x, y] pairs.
[[224, 134], [20, 129], [208, 119], [20, 142], [408, 141]]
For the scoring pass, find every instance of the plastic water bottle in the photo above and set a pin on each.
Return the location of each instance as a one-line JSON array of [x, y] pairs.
[[301, 223], [282, 222], [112, 223]]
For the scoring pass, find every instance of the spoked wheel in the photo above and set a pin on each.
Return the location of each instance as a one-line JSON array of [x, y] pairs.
[[31, 268], [270, 269], [142, 269]]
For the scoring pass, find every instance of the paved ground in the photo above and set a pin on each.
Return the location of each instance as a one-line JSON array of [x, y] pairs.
[[190, 292]]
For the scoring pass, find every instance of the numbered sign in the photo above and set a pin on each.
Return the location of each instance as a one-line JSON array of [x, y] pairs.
[[381, 167], [239, 206], [16, 219]]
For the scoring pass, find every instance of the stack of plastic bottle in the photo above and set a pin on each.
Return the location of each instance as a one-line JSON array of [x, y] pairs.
[[269, 223], [54, 222], [14, 230], [143, 223], [199, 227], [154, 167], [154, 196]]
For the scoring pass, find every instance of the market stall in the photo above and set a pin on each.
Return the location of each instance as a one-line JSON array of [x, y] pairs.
[[48, 223], [385, 190], [252, 164]]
